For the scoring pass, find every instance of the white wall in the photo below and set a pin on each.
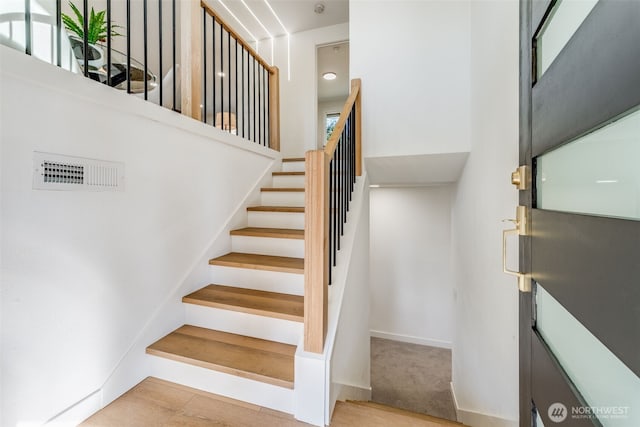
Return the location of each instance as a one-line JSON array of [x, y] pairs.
[[411, 284], [90, 278], [298, 97], [413, 58], [485, 347]]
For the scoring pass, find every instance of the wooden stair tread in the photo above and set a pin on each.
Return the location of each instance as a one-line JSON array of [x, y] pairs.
[[253, 358], [402, 412], [260, 262], [291, 209], [288, 173], [283, 189], [293, 159], [278, 233], [271, 304]]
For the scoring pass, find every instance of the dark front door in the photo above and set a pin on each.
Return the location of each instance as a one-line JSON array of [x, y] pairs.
[[580, 138]]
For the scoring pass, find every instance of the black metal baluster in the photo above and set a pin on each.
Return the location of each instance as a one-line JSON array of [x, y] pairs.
[[264, 114], [259, 106], [129, 46], [173, 47], [242, 80], [229, 81], [108, 42], [213, 67], [235, 75], [204, 64], [221, 77], [59, 32], [330, 220], [85, 31], [145, 48], [27, 27], [336, 242], [254, 98], [161, 71]]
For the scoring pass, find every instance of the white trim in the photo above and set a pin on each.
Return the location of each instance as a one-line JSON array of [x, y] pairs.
[[411, 339], [78, 412], [352, 392], [477, 419]]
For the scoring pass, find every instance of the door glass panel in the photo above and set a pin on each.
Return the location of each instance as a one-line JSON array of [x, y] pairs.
[[611, 390], [563, 21], [597, 174]]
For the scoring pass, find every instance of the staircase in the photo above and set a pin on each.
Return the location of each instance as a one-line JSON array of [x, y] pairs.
[[242, 330]]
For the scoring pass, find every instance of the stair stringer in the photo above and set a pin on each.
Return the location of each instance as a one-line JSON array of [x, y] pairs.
[[171, 313]]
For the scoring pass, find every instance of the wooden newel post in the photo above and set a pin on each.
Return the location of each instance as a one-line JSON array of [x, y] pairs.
[[316, 256], [191, 58], [274, 109], [355, 85]]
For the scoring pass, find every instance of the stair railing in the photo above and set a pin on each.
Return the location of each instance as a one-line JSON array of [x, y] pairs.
[[230, 85], [218, 78], [329, 182]]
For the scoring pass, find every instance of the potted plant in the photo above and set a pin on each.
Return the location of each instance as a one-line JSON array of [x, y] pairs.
[[96, 32], [96, 25]]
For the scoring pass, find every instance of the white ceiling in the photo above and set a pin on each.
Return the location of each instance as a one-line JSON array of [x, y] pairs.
[[427, 169], [296, 15]]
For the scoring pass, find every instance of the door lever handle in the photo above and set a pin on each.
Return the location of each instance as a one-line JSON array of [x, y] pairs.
[[524, 284]]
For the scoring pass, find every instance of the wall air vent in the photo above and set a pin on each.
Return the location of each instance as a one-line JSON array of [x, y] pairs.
[[58, 172]]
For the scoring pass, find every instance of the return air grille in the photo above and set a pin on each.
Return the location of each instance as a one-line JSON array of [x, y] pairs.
[[58, 172]]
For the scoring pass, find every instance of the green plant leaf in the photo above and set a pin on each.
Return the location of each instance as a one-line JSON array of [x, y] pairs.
[[70, 25]]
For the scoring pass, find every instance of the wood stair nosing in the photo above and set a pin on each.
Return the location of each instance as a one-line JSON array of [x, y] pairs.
[[261, 360], [284, 209], [405, 412], [262, 303], [282, 189], [288, 173], [260, 262], [293, 159], [277, 233]]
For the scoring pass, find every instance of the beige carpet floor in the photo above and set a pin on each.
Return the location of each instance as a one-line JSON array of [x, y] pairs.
[[412, 377]]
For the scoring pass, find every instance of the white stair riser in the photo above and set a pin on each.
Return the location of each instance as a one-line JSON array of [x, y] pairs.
[[256, 392], [289, 220], [268, 246], [251, 325], [288, 181], [292, 166], [282, 198], [261, 280]]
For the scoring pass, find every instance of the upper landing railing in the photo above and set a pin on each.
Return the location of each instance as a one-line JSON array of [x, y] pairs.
[[330, 178], [177, 54]]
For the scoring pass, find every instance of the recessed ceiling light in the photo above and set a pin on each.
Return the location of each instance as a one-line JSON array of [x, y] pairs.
[[329, 76]]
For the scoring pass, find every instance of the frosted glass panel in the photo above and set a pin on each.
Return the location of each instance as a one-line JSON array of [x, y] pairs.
[[597, 174], [564, 20], [610, 388]]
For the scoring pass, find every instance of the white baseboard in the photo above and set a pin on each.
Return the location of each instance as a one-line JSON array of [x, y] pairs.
[[352, 392], [411, 339], [477, 419], [79, 412]]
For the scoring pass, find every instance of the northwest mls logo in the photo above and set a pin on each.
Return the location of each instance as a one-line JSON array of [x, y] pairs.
[[557, 412]]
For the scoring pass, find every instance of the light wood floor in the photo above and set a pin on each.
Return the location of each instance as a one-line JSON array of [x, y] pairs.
[[154, 402]]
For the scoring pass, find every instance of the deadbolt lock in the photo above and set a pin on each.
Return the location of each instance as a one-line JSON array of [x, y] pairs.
[[520, 178]]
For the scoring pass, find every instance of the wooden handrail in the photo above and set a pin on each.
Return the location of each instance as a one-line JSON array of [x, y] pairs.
[[354, 97], [237, 36], [317, 214]]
